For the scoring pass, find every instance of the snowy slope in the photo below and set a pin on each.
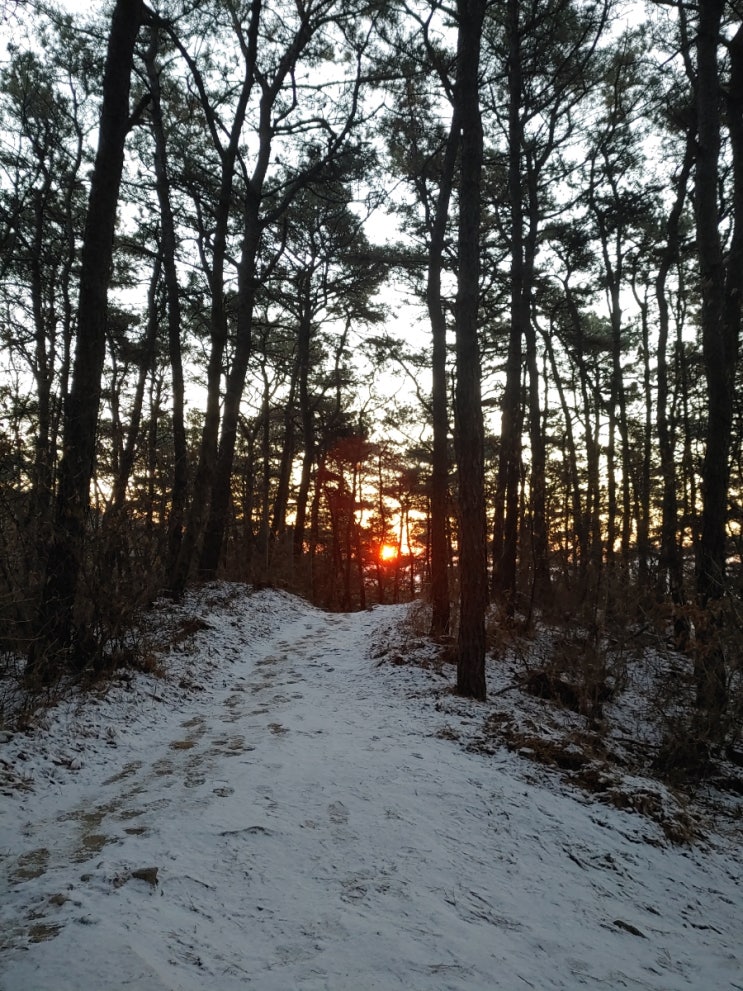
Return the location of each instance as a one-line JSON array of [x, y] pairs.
[[282, 812]]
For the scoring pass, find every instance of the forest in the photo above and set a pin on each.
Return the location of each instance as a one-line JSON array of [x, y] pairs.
[[375, 300]]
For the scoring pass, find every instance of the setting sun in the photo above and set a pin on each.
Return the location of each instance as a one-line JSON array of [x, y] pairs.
[[388, 552]]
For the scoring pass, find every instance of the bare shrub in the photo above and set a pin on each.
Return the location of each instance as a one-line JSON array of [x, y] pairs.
[[580, 671], [418, 618], [696, 739]]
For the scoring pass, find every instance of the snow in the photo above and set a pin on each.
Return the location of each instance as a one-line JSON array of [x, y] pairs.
[[281, 808]]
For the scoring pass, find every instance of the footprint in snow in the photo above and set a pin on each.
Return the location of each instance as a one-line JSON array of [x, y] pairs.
[[338, 813]]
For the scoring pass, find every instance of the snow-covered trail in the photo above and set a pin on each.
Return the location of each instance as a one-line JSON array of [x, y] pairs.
[[311, 830]]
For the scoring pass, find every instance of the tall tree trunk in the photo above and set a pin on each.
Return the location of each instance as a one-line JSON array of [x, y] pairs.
[[168, 238], [265, 460], [537, 482], [198, 514], [718, 371], [645, 473], [618, 522], [541, 589], [590, 398], [440, 601], [211, 551], [505, 544], [41, 479], [129, 450], [288, 450], [720, 319], [470, 432], [55, 621], [304, 337], [574, 476], [314, 532], [670, 569]]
